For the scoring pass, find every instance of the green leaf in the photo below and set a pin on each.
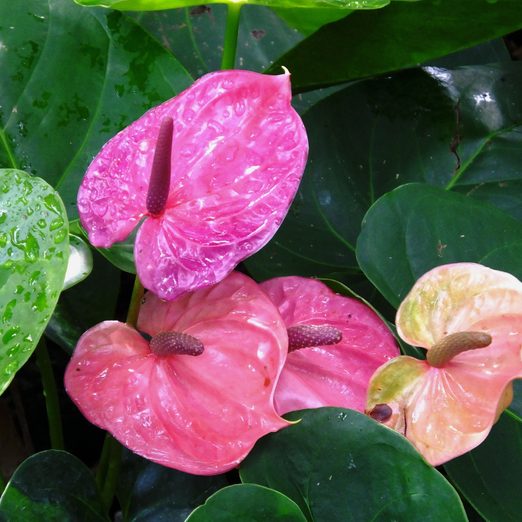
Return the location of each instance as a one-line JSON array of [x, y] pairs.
[[73, 77], [402, 35], [417, 227], [489, 476], [51, 486], [307, 21], [195, 36], [152, 5], [247, 502], [149, 491], [339, 465], [34, 249], [80, 262]]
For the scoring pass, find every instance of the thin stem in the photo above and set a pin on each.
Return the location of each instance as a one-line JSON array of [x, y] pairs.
[[135, 301], [103, 464], [231, 31], [51, 395], [113, 471]]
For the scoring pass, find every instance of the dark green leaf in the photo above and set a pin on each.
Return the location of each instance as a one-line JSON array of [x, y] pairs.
[[339, 465], [34, 248], [150, 492], [307, 21], [247, 502], [72, 78], [417, 227], [402, 35], [490, 475], [51, 486], [196, 35]]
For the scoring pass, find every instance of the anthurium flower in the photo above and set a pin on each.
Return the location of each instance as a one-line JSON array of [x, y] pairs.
[[199, 394], [335, 345], [213, 170], [469, 318]]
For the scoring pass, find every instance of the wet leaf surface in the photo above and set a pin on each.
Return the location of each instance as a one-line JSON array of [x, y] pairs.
[[34, 249]]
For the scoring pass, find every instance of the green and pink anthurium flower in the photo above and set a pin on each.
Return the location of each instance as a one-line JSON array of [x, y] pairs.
[[469, 319], [199, 393], [213, 170], [335, 345]]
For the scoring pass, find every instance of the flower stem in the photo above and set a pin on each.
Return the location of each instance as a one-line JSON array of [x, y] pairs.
[[135, 301], [231, 32], [51, 395], [101, 471], [113, 470]]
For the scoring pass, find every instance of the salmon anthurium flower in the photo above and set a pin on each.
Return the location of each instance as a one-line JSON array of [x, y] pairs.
[[335, 345], [199, 394], [469, 318], [214, 170]]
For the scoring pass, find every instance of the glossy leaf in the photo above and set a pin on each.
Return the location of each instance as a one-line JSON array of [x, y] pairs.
[[33, 260], [73, 78], [489, 476], [377, 134], [400, 36], [417, 227], [148, 491], [79, 265], [52, 485], [149, 5], [247, 502], [339, 465]]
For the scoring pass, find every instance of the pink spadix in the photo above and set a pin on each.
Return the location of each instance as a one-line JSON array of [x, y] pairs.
[[238, 153], [200, 414], [335, 345]]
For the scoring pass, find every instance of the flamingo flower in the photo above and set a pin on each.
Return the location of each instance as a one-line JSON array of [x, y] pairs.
[[335, 345], [199, 394], [469, 318], [214, 171]]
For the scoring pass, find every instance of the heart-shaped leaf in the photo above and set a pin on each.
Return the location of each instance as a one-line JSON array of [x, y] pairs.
[[34, 249], [247, 502], [73, 78], [52, 485], [489, 476], [402, 35], [149, 491], [417, 227], [339, 465]]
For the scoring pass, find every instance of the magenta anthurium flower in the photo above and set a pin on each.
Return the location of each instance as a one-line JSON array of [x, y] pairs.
[[469, 318], [214, 170], [335, 345], [200, 393]]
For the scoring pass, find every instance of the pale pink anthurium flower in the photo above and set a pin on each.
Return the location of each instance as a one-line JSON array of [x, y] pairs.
[[214, 171], [469, 318], [335, 345], [198, 395]]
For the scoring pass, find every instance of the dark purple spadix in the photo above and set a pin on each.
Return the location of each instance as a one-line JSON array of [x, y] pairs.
[[159, 183], [175, 343], [308, 336]]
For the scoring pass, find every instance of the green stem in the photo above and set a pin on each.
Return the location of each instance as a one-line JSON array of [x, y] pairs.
[[51, 395], [135, 302], [103, 464], [230, 45], [113, 471]]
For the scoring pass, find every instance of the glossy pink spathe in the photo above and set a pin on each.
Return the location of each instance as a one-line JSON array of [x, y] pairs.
[[335, 375], [238, 154], [199, 414]]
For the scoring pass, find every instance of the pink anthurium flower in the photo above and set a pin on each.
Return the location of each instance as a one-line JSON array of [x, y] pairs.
[[214, 170], [200, 393], [469, 318], [335, 345]]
